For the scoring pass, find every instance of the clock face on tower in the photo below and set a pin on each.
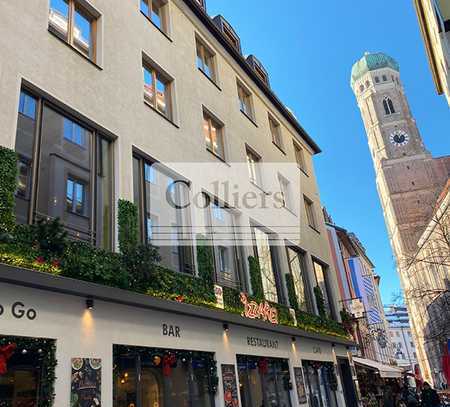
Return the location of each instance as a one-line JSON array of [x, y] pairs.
[[399, 138]]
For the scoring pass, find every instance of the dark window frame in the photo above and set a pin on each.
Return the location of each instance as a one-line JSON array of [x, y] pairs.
[[45, 101]]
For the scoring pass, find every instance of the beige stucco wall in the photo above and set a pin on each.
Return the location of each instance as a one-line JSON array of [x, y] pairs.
[[111, 96]]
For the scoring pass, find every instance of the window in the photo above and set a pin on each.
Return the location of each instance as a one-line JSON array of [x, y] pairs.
[[74, 173], [139, 379], [310, 212], [155, 11], [221, 225], [245, 101], [367, 84], [165, 220], [157, 90], [75, 196], [361, 88], [285, 191], [377, 79], [73, 23], [321, 274], [297, 270], [275, 131], [265, 254], [253, 161], [300, 157], [231, 37], [73, 132], [27, 105], [388, 106], [213, 133], [384, 78], [205, 60]]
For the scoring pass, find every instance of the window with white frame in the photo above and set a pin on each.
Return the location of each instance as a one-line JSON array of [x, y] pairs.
[[157, 89], [300, 156], [275, 131], [245, 100], [253, 164], [285, 191], [206, 60], [213, 134], [156, 12], [310, 212]]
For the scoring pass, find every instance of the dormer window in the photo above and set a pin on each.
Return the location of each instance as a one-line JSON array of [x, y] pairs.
[[202, 4], [259, 69], [228, 32]]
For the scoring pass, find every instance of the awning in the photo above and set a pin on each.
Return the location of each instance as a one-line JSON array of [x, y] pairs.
[[384, 370]]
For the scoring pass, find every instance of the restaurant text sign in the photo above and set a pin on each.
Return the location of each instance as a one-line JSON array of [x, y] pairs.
[[263, 310]]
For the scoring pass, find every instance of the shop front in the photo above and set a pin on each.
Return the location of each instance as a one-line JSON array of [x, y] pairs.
[[70, 343]]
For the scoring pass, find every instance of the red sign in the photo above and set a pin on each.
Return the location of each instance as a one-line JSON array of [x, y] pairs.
[[263, 311]]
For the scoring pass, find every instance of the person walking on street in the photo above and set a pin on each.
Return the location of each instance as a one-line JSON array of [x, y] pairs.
[[430, 398]]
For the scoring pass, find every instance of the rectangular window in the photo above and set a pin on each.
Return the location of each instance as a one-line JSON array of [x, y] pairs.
[[75, 173], [71, 22], [75, 196], [155, 11], [297, 269], [245, 101], [264, 253], [310, 212], [300, 157], [142, 379], [213, 134], [206, 60], [275, 131], [157, 90], [253, 161], [221, 226], [165, 220], [322, 282], [285, 191]]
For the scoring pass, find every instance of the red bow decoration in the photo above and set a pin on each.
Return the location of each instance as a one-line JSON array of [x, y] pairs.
[[5, 353], [167, 364], [263, 365]]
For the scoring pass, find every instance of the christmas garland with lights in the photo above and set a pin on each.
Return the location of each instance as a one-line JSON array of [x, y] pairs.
[[45, 349], [167, 359]]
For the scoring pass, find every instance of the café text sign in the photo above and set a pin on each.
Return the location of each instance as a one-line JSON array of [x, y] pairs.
[[263, 310]]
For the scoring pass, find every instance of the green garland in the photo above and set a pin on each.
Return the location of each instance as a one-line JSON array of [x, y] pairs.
[[320, 302], [128, 222], [292, 295], [8, 185], [46, 348], [255, 277]]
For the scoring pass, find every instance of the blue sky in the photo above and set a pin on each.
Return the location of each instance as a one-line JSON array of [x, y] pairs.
[[309, 47]]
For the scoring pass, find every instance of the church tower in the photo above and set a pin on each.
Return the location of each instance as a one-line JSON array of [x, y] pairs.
[[408, 179]]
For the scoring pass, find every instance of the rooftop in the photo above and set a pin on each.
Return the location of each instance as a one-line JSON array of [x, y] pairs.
[[372, 62]]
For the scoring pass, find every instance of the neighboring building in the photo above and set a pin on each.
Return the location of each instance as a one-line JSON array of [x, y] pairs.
[[152, 102], [400, 333], [408, 178], [434, 22], [428, 291], [358, 282]]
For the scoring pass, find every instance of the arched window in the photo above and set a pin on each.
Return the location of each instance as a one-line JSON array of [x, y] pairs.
[[367, 84], [388, 105], [361, 88]]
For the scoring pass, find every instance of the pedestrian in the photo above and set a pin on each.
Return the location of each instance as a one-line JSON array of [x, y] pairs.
[[388, 396], [430, 398]]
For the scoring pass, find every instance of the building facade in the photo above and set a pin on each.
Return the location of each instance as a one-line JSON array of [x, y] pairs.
[[151, 106], [408, 178], [400, 333], [434, 23], [359, 285]]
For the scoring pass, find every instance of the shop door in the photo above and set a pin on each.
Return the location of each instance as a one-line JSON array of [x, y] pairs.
[[347, 383], [313, 384], [274, 385]]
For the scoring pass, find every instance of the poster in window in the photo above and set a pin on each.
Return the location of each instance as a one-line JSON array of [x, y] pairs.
[[301, 392], [86, 382], [230, 393]]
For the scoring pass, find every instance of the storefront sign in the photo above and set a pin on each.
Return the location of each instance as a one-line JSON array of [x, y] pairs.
[[357, 308], [262, 343], [171, 330], [317, 349], [86, 382], [300, 382], [230, 392], [18, 310], [218, 291], [263, 310]]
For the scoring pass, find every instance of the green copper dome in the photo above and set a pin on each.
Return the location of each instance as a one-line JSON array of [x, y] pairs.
[[370, 62]]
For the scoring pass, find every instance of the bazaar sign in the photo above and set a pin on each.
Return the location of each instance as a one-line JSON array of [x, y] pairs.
[[255, 310]]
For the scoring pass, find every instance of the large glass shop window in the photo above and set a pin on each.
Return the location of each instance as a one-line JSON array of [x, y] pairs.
[[65, 171], [150, 377], [25, 370], [264, 382], [321, 381]]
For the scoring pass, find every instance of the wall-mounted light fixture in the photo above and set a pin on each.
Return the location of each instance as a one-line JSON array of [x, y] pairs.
[[89, 303], [226, 327], [293, 339]]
